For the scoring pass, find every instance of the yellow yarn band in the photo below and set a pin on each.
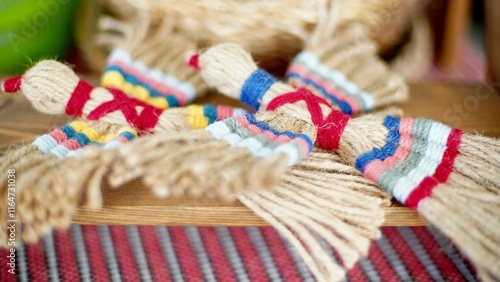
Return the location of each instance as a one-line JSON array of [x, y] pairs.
[[79, 125], [196, 117], [112, 79]]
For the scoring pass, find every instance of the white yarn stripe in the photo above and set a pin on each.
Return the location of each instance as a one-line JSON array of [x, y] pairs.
[[393, 258], [239, 112], [119, 54], [201, 254], [310, 60], [22, 264], [420, 252], [264, 253], [51, 257], [138, 251], [439, 133], [75, 153], [188, 89], [447, 246], [299, 263], [232, 253], [45, 143], [109, 253], [169, 253], [81, 253], [252, 144], [59, 151], [291, 150], [220, 131], [140, 66], [436, 146]]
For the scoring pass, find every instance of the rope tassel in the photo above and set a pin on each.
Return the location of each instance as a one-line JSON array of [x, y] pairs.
[[424, 164]]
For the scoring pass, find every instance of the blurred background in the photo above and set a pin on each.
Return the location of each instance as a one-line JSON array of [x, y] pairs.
[[439, 40]]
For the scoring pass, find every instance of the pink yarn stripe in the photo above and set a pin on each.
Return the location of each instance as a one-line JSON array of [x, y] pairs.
[[330, 87], [224, 112], [375, 169], [243, 122], [161, 87], [121, 139], [405, 143], [71, 144], [58, 135]]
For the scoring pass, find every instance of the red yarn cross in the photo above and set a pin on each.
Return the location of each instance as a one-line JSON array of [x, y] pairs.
[[142, 120], [145, 120], [329, 128]]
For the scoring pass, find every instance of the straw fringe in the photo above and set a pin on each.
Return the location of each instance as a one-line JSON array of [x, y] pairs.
[[308, 212]]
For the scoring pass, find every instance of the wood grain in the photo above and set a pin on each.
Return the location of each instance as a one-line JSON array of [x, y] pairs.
[[470, 107], [492, 38]]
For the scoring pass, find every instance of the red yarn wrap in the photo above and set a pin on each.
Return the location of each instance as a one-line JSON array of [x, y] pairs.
[[12, 85], [329, 128], [194, 62], [137, 113], [78, 99]]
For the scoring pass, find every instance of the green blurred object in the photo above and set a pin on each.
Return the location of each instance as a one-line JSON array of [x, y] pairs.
[[34, 29]]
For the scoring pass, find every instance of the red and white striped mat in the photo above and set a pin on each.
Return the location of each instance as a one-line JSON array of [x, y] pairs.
[[159, 253]]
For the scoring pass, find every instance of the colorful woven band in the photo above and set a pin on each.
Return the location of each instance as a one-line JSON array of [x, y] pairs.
[[306, 70], [261, 139], [418, 155], [149, 85], [72, 137]]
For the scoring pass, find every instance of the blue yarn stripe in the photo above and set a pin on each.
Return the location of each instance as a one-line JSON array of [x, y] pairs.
[[344, 106], [81, 138], [255, 87], [69, 131], [171, 100], [127, 135], [210, 112], [266, 127], [392, 143]]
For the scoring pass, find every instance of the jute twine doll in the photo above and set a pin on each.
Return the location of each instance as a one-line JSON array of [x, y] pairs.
[[108, 117], [449, 176], [304, 207]]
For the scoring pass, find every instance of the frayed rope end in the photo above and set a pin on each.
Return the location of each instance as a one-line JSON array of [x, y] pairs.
[[12, 85]]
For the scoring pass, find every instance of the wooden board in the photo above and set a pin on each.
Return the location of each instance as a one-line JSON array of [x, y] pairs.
[[472, 108]]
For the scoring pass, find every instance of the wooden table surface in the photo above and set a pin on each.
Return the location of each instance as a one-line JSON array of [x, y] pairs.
[[469, 107]]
